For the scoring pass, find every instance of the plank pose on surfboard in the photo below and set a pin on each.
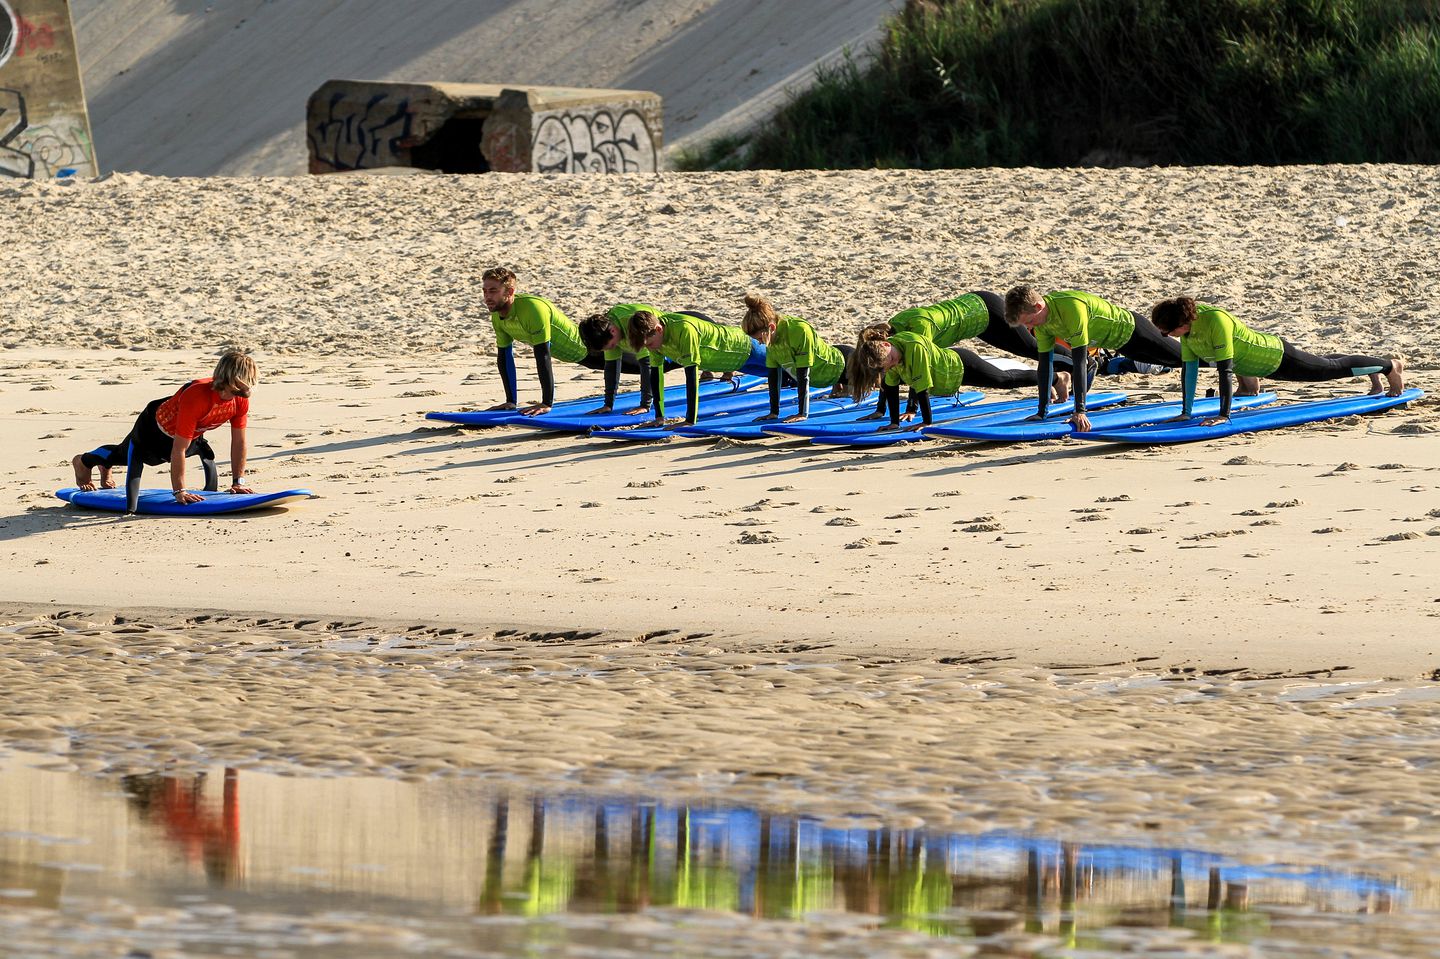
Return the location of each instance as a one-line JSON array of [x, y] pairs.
[[695, 345], [793, 347], [1080, 320], [173, 427], [537, 322], [886, 360], [608, 334], [1211, 334]]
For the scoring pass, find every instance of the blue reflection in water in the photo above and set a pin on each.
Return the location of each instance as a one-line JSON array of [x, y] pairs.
[[448, 848]]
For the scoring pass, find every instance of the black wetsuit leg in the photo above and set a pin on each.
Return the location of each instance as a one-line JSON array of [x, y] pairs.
[[981, 372], [201, 447], [1149, 345], [1298, 366], [1014, 339]]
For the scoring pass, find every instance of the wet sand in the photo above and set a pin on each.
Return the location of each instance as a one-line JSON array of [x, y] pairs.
[[1228, 643]]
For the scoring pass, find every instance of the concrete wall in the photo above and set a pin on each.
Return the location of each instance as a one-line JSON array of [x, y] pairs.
[[44, 126], [360, 125]]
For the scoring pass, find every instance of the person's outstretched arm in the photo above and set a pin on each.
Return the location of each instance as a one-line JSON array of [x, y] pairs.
[[545, 372], [1189, 377], [802, 377], [612, 381], [1043, 375], [657, 389], [890, 396], [238, 449], [505, 361], [922, 400], [692, 394], [1227, 387], [177, 472], [773, 377]]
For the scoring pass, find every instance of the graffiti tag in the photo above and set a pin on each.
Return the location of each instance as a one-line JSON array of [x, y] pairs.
[[354, 137], [13, 163], [29, 38], [594, 143], [9, 28]]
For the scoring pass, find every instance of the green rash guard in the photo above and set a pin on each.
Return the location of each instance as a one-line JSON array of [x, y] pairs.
[[534, 319], [796, 345], [1081, 319], [925, 366], [620, 314], [1216, 335], [945, 323], [710, 346]]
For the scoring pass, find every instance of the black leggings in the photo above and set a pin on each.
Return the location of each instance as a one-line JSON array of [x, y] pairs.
[[148, 445], [1014, 339], [1149, 345], [981, 372], [1302, 367]]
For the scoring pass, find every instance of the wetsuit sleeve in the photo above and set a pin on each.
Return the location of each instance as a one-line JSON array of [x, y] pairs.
[[923, 399], [657, 390], [1079, 383], [890, 395], [1189, 376], [545, 371], [773, 375], [647, 389], [692, 394], [612, 380], [505, 360], [1043, 376], [1227, 386], [880, 403], [803, 376]]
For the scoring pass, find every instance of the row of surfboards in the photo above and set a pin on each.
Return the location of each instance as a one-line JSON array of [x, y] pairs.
[[730, 412], [734, 413]]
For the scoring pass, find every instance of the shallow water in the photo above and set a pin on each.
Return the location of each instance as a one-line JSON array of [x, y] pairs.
[[246, 863]]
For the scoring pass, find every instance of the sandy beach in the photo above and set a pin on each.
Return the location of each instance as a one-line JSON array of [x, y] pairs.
[[1230, 643]]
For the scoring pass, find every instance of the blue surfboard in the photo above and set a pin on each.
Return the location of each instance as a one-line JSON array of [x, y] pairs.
[[1053, 427], [1248, 421], [744, 405], [161, 502], [943, 410], [575, 408], [715, 397], [744, 425], [1009, 411]]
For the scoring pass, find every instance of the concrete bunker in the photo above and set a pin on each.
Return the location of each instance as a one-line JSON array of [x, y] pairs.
[[480, 128]]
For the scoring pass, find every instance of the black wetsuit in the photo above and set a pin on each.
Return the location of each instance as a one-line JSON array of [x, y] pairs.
[[148, 445]]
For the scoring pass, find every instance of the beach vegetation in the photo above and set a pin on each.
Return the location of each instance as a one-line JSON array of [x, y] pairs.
[[974, 83]]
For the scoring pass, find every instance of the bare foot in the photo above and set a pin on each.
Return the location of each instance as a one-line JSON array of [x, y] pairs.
[[105, 481], [1248, 385], [1060, 388], [1396, 376], [82, 473]]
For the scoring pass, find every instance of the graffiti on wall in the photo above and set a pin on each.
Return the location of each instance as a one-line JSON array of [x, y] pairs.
[[353, 136], [594, 143], [14, 162], [19, 37], [9, 29]]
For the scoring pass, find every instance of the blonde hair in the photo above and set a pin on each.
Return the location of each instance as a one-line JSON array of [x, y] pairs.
[[867, 363], [235, 369], [643, 325], [759, 316], [501, 274], [1021, 299]]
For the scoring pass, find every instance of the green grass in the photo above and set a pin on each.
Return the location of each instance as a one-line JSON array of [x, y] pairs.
[[1100, 82]]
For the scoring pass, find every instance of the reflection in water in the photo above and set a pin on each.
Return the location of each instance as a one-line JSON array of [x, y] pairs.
[[442, 849]]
